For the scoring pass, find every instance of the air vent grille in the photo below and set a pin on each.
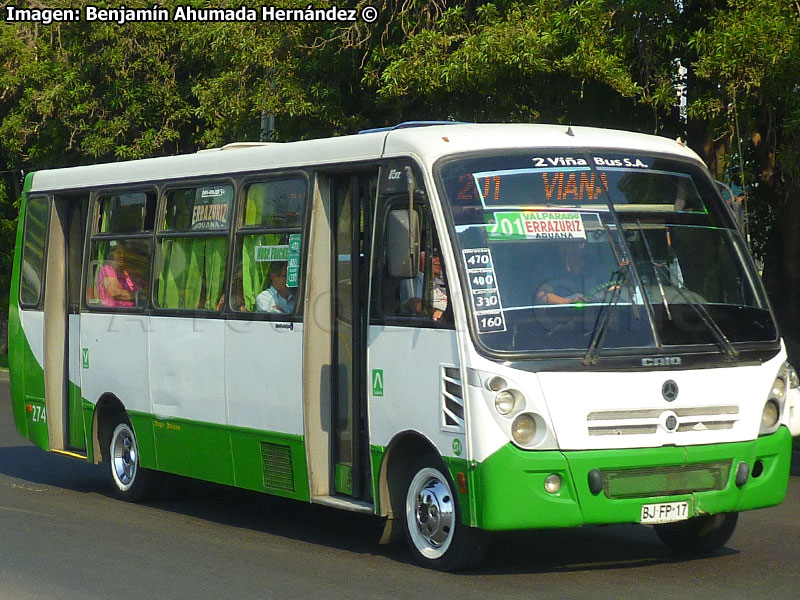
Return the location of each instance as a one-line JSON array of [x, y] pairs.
[[646, 421], [277, 463], [452, 399], [666, 481]]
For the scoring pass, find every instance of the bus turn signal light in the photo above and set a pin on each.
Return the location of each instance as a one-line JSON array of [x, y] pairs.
[[462, 483]]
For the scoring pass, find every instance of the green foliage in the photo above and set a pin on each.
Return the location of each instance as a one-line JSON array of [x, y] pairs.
[[8, 231], [519, 62], [751, 51]]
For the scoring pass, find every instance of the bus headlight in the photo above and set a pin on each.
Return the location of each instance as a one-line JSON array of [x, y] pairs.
[[506, 401], [523, 429], [778, 388], [793, 380], [789, 375], [770, 415], [495, 384]]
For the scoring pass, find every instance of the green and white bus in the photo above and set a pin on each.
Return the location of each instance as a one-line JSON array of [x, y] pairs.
[[461, 328]]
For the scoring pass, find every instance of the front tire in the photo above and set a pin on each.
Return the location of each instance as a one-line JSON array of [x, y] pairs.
[[436, 536], [700, 535], [130, 481]]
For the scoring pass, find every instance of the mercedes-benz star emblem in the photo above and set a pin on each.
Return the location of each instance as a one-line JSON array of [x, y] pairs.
[[669, 390]]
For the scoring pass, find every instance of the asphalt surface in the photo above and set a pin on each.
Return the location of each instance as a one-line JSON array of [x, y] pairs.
[[63, 536]]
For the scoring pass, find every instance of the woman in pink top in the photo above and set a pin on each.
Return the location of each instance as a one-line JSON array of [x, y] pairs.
[[115, 284]]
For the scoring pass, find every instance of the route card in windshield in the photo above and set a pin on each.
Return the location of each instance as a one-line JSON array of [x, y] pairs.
[[486, 305], [540, 225]]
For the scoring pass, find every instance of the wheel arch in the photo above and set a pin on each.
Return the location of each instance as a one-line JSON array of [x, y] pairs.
[[107, 409], [396, 468]]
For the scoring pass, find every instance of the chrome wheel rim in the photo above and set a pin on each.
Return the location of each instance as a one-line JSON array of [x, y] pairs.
[[430, 513], [124, 456]]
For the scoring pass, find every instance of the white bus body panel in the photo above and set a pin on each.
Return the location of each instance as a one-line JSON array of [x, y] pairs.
[[264, 375], [604, 410], [290, 155], [32, 322], [74, 325], [792, 414], [411, 360], [430, 143], [608, 410], [241, 373], [187, 377], [117, 346], [490, 431]]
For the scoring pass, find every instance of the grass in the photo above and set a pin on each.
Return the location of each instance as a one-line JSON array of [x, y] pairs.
[[3, 361]]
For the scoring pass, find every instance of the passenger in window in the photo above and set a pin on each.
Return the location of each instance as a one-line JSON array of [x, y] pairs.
[[277, 298], [413, 300], [117, 285]]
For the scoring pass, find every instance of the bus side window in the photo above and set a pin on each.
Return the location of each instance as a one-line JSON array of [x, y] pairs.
[[35, 239], [121, 250], [268, 247], [121, 279], [193, 247], [424, 298]]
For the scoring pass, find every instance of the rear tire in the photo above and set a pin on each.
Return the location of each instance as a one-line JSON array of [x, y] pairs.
[[130, 481], [700, 535], [436, 536]]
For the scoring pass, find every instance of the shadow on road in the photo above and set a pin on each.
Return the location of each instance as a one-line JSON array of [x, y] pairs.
[[581, 549], [31, 464]]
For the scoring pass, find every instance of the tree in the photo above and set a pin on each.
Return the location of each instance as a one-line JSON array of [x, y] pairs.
[[751, 50], [74, 93]]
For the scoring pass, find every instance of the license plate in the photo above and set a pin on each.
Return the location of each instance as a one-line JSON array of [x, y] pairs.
[[665, 512]]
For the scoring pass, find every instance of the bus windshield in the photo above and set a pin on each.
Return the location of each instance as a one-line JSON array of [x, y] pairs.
[[549, 266]]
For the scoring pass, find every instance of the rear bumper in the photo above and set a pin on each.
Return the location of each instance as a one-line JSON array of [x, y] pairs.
[[508, 488]]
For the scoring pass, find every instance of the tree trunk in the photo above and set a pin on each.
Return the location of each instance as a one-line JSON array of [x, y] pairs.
[[782, 273]]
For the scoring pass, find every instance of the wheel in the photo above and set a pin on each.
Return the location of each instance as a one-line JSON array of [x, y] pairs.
[[131, 482], [699, 535], [434, 530]]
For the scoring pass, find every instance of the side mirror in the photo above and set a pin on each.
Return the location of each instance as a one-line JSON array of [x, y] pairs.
[[402, 243]]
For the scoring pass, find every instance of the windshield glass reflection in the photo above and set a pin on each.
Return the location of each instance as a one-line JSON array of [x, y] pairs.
[[546, 259]]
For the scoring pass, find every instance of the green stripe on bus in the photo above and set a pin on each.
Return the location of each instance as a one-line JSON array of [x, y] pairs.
[[510, 491], [264, 461]]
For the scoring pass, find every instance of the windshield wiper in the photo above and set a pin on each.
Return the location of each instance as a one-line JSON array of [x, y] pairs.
[[620, 278], [601, 323], [698, 307], [655, 269], [706, 318]]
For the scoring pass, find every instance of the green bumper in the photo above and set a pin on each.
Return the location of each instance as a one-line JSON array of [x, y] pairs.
[[508, 488]]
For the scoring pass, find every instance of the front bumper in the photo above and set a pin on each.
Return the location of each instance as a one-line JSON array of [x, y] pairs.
[[508, 488]]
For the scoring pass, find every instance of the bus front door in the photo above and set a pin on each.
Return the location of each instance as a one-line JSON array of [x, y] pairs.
[[350, 196]]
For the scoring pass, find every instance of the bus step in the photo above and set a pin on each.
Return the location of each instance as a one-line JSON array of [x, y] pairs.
[[345, 503]]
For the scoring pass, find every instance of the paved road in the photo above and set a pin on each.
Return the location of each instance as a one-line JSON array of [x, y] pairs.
[[63, 537]]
